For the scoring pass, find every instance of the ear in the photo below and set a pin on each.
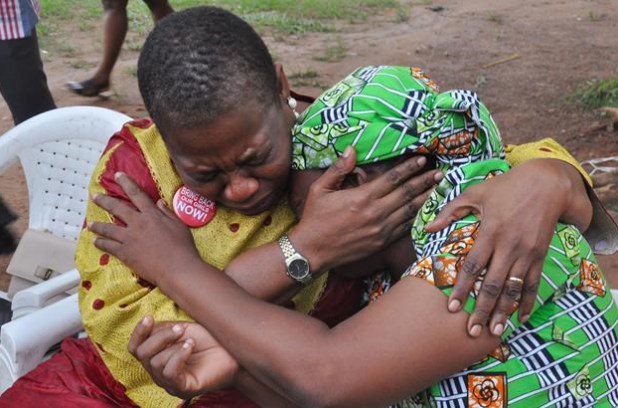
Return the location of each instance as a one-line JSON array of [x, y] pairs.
[[282, 82], [357, 177]]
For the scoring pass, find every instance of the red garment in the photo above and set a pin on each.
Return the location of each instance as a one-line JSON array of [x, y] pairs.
[[73, 377]]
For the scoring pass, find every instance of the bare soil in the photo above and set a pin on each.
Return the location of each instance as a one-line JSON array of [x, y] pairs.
[[524, 58]]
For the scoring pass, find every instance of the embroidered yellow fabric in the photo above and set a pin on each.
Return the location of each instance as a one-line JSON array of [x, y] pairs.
[[112, 302], [543, 149]]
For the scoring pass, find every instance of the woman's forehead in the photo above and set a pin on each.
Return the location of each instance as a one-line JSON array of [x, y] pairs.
[[234, 137]]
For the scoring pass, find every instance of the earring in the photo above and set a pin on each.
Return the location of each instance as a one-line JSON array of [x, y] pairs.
[[292, 104]]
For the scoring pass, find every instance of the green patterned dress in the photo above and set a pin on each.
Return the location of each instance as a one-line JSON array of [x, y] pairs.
[[566, 354]]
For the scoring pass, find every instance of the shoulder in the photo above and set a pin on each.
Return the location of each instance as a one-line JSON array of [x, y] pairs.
[[124, 154]]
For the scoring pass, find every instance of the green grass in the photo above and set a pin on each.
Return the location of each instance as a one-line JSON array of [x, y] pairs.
[[594, 16], [308, 77], [597, 93], [334, 53], [283, 16], [494, 17], [62, 21]]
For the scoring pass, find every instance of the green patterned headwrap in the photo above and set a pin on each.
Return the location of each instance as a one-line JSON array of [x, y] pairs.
[[386, 111]]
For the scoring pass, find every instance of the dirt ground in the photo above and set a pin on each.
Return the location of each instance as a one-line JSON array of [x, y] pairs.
[[551, 47]]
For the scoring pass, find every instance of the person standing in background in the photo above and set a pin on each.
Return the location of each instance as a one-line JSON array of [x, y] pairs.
[[115, 31], [23, 83], [23, 86]]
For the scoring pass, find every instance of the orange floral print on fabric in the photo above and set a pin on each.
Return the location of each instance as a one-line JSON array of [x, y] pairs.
[[457, 144], [502, 352], [419, 74], [445, 271], [487, 390], [462, 233], [422, 269], [591, 280]]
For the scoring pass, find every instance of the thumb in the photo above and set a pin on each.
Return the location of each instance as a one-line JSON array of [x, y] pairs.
[[334, 176], [166, 210], [453, 211]]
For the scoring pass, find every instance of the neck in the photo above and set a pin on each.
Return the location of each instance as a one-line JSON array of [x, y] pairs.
[[399, 256]]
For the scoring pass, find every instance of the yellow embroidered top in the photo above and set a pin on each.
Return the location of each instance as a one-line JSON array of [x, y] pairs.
[[113, 300]]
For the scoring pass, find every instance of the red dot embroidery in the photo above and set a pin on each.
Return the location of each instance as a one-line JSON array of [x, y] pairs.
[[267, 221], [86, 284], [545, 149], [98, 304], [234, 227], [104, 259]]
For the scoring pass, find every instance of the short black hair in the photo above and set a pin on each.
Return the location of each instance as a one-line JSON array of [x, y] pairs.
[[201, 62]]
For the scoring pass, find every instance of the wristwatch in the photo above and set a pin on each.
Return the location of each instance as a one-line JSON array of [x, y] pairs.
[[296, 264]]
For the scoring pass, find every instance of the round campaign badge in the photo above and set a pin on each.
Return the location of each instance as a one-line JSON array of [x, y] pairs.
[[193, 209]]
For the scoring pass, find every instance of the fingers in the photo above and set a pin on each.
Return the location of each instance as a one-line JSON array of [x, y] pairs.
[[116, 207], [529, 291], [404, 216], [475, 263], [157, 342], [178, 359], [110, 246], [166, 210], [411, 189], [490, 291], [511, 294], [334, 176], [453, 211], [108, 230], [140, 333], [139, 199], [396, 176]]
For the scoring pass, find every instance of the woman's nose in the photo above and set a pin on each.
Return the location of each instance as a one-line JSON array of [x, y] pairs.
[[240, 188]]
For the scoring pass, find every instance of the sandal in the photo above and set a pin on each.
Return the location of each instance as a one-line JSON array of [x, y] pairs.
[[87, 88]]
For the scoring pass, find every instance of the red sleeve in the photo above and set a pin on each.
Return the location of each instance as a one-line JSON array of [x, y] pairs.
[[128, 158]]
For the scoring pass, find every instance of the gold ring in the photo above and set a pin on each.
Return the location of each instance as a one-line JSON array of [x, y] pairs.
[[516, 279]]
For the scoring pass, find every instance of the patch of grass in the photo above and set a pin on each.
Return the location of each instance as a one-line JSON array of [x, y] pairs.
[[132, 70], [80, 64], [403, 14], [286, 16], [308, 74], [285, 24], [494, 17], [66, 50], [597, 93], [132, 44], [305, 78], [594, 16], [334, 53]]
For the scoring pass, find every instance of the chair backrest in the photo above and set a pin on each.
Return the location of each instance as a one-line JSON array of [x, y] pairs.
[[58, 150]]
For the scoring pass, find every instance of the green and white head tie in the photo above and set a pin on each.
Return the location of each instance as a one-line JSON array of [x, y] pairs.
[[386, 111]]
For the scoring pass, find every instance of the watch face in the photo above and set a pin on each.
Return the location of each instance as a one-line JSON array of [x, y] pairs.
[[298, 269]]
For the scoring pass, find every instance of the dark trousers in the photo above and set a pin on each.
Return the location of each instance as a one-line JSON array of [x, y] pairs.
[[23, 83], [7, 242]]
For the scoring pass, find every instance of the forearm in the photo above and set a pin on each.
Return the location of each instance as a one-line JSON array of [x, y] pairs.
[[300, 358], [247, 327], [577, 207], [259, 393], [261, 272]]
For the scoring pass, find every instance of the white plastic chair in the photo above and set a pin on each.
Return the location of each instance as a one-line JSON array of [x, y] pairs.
[[58, 151]]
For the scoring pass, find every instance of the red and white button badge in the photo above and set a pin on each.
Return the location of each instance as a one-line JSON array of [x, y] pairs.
[[193, 209]]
